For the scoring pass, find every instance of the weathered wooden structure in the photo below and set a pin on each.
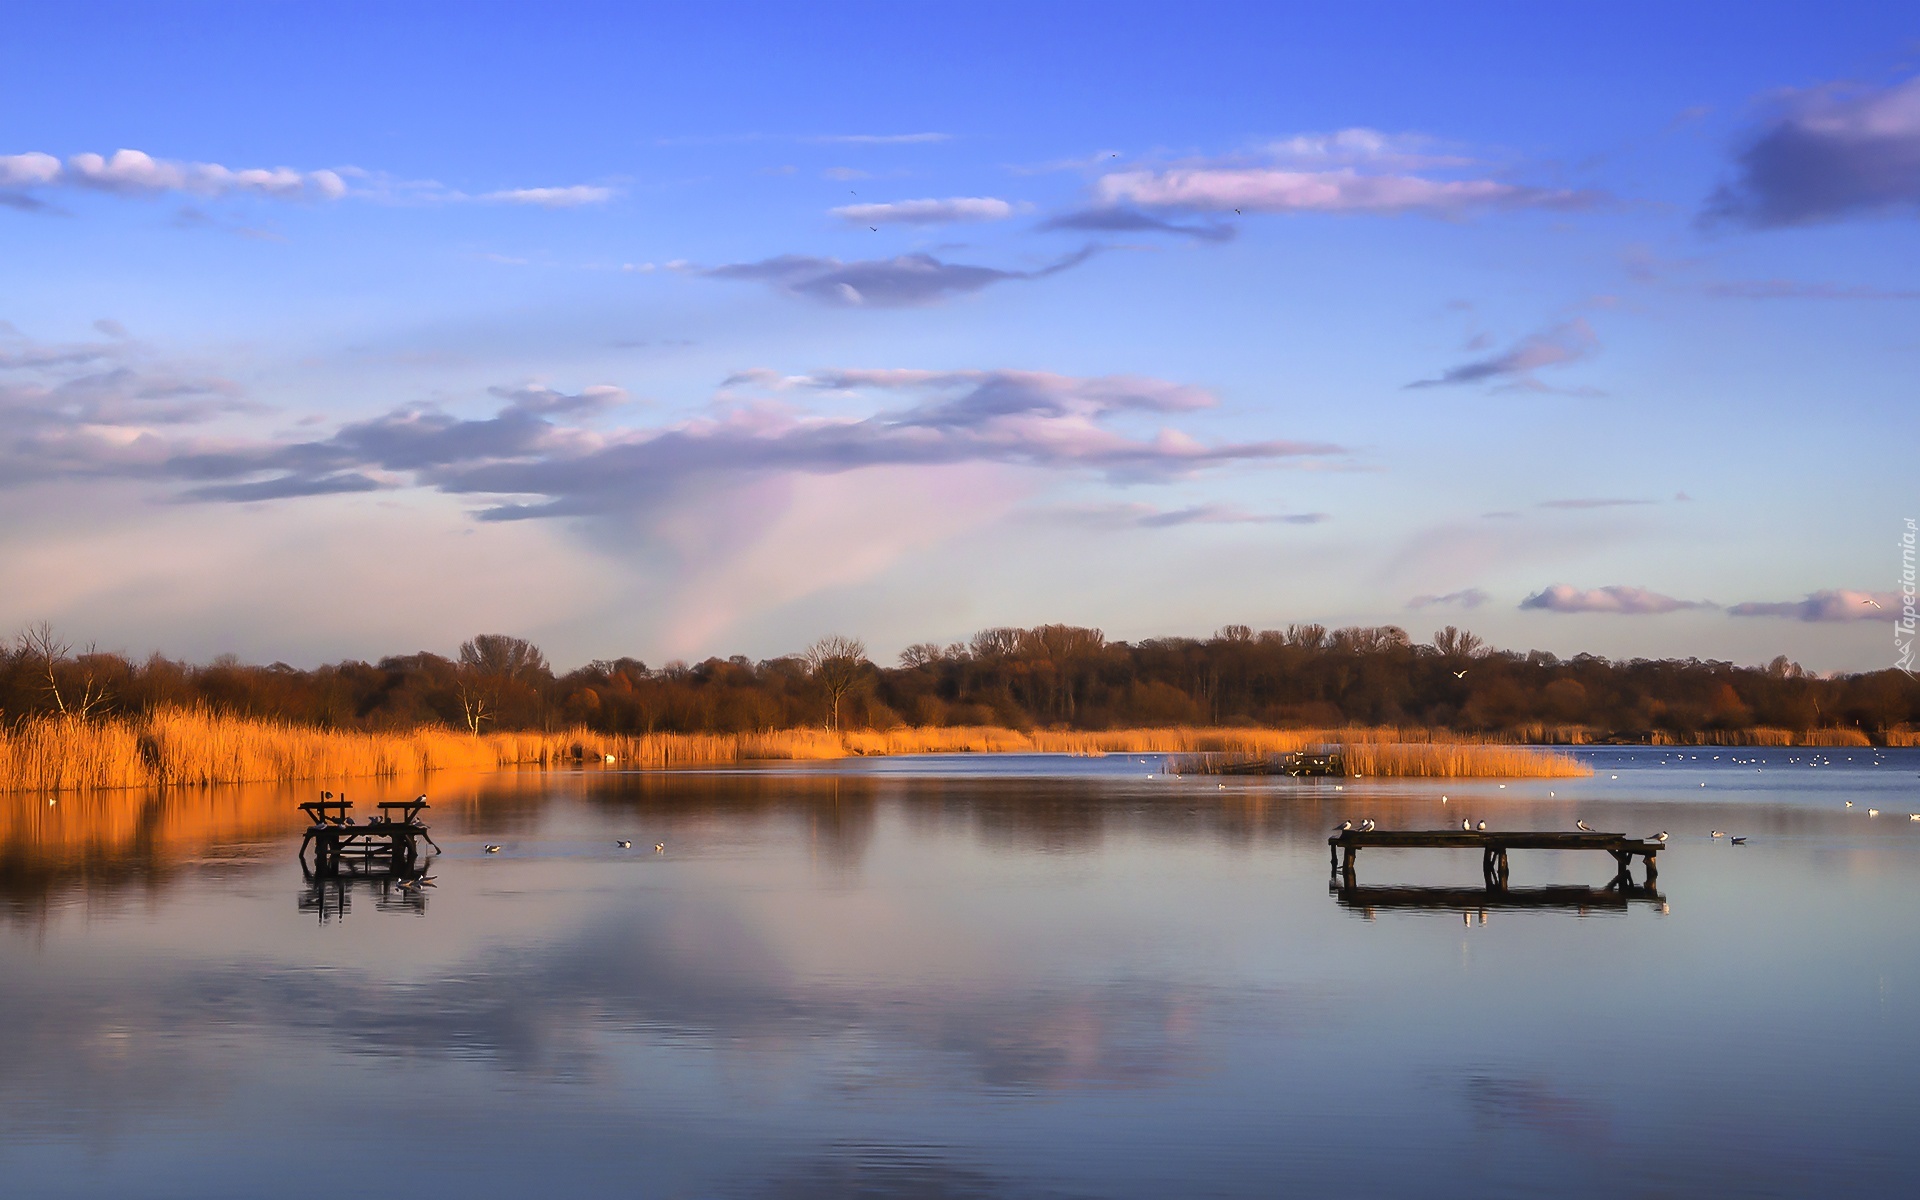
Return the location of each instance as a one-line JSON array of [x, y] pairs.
[[388, 843], [1344, 847]]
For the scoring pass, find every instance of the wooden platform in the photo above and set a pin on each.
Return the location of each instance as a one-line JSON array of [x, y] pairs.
[[1493, 846], [387, 843]]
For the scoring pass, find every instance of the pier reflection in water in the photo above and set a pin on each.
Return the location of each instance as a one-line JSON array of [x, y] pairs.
[[1613, 898]]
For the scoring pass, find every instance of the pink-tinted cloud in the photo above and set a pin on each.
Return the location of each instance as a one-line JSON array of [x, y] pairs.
[[1625, 601], [1352, 171], [1833, 604]]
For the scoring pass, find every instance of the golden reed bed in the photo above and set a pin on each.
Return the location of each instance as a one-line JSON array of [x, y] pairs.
[[178, 747]]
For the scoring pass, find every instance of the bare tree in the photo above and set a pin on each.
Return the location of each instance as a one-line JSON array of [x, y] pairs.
[[836, 663], [490, 664], [1454, 644], [49, 654], [507, 657], [476, 704]]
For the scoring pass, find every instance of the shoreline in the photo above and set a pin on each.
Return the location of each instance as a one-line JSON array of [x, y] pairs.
[[194, 747]]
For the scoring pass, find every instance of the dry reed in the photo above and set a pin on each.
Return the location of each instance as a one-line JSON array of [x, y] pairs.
[[194, 747]]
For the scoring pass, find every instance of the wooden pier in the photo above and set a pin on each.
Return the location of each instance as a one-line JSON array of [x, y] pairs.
[[388, 843], [1344, 847]]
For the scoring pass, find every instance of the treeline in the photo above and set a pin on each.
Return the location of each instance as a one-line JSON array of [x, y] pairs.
[[1050, 676]]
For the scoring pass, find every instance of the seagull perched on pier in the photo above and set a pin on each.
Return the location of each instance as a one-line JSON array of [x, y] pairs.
[[1583, 827], [1659, 837], [1366, 826], [624, 844], [1343, 826], [1466, 826], [492, 849], [1483, 826]]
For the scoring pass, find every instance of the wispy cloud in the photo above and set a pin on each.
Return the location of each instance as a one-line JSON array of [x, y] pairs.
[[1834, 604], [879, 139], [1128, 220], [1465, 598], [1351, 171], [1581, 502], [1828, 153], [1791, 289], [1625, 601], [908, 279], [136, 173], [552, 197], [926, 212], [1147, 516], [1557, 346], [104, 409]]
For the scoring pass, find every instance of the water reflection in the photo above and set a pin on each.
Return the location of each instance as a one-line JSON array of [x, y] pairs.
[[329, 895], [1613, 898], [860, 983]]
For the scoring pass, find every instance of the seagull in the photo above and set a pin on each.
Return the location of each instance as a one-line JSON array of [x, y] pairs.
[[1865, 600], [1873, 812], [1716, 833], [1466, 826], [1659, 837], [1913, 816], [1849, 804], [1236, 212], [1483, 826], [1343, 826], [1459, 674], [875, 228], [1583, 827], [1366, 826], [659, 847], [493, 849], [1739, 841], [624, 844]]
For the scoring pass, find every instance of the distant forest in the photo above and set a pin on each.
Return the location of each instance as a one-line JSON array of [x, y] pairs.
[[1049, 676]]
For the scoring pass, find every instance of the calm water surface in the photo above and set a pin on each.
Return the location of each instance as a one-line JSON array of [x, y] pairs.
[[959, 977]]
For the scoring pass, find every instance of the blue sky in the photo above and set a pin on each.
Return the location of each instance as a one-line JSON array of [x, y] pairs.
[[336, 332]]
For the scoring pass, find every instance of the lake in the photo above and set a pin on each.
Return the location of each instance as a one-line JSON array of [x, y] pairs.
[[971, 977]]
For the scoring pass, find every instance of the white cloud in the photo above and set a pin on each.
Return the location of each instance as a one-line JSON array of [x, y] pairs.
[[552, 197], [1353, 170], [926, 212], [1626, 601], [1833, 604]]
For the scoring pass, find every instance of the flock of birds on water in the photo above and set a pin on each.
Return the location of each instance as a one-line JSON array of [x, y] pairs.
[[1812, 760]]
